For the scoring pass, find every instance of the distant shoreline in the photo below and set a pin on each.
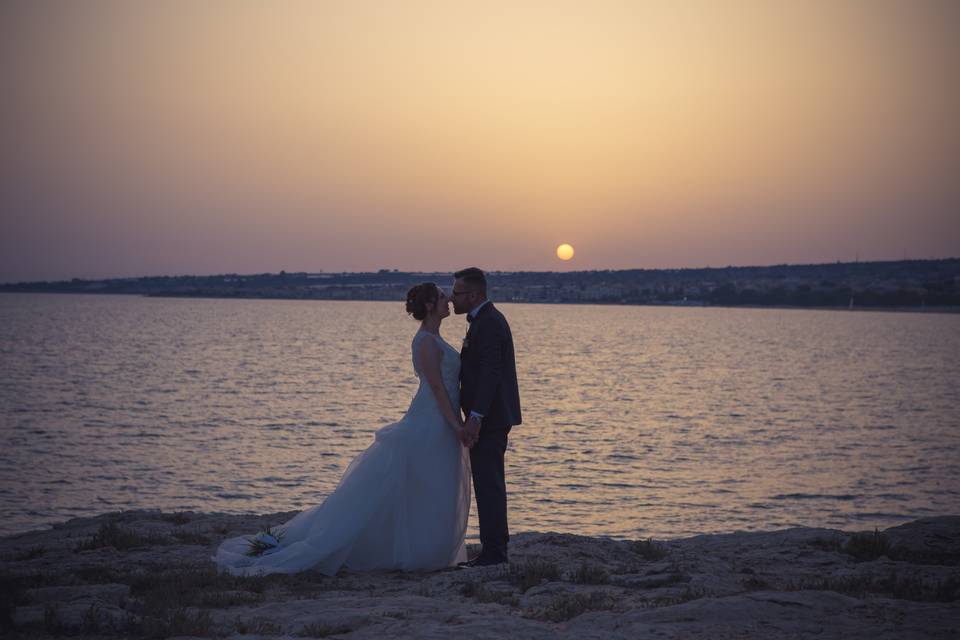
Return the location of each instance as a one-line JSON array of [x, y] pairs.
[[905, 285], [931, 309]]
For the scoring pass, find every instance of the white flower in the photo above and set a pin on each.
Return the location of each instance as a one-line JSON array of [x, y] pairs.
[[265, 542]]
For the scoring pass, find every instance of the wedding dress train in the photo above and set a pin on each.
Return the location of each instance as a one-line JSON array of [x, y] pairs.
[[401, 504]]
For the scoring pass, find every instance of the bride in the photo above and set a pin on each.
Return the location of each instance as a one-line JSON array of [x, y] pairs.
[[402, 503]]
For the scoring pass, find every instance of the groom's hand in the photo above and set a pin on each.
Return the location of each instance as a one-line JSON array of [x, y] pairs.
[[467, 438], [471, 431]]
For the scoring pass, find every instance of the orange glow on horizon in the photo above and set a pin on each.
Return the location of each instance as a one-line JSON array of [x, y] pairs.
[[332, 136]]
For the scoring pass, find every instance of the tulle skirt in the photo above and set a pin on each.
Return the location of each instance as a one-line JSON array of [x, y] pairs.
[[401, 504]]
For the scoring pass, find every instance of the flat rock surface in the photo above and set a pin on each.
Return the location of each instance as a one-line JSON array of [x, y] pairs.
[[149, 574]]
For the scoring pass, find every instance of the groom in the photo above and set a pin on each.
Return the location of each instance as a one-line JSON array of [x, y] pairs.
[[490, 400]]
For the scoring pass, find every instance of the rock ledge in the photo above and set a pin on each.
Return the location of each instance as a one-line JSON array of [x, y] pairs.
[[148, 574]]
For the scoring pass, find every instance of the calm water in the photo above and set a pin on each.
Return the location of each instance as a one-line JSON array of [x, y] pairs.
[[640, 421]]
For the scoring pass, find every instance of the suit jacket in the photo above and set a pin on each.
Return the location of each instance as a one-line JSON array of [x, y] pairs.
[[488, 371]]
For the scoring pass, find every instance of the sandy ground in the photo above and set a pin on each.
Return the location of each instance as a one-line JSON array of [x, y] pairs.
[[148, 574]]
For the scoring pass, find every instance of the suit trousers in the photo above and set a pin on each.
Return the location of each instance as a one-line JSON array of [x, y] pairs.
[[489, 486]]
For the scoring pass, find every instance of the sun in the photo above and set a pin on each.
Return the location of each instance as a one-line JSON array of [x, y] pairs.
[[565, 252]]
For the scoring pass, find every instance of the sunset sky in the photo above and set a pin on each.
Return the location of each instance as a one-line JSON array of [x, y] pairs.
[[204, 136]]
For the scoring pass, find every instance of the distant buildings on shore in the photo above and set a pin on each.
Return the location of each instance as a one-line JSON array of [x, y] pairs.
[[906, 283]]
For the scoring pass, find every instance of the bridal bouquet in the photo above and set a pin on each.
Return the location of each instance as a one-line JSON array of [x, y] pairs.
[[265, 542]]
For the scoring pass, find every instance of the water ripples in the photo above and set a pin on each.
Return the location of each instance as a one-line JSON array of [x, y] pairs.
[[638, 421]]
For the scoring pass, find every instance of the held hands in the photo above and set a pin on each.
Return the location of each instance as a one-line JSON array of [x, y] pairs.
[[470, 432]]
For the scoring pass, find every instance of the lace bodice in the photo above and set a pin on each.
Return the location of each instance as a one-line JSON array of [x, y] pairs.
[[449, 366]]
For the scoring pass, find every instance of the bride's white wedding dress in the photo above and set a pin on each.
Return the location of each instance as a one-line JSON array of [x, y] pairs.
[[401, 504]]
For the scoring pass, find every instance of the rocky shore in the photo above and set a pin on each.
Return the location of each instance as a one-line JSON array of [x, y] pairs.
[[148, 574]]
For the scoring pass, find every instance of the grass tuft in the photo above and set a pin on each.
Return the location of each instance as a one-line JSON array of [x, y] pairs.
[[754, 583], [898, 587], [179, 621], [479, 592], [177, 517], [258, 626], [867, 546], [870, 546], [833, 543], [98, 574], [29, 554], [321, 630], [51, 621], [13, 592], [186, 584], [532, 573], [113, 535], [688, 594], [648, 549], [192, 537], [568, 606], [589, 574], [94, 620], [225, 599]]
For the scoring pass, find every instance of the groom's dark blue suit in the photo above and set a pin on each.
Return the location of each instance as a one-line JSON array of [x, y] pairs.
[[488, 385]]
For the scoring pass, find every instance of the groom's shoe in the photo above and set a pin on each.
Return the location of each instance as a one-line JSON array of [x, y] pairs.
[[482, 561], [469, 563], [488, 561]]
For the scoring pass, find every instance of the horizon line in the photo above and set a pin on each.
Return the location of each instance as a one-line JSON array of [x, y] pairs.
[[490, 271]]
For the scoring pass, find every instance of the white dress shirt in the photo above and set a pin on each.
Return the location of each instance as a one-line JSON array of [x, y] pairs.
[[473, 315]]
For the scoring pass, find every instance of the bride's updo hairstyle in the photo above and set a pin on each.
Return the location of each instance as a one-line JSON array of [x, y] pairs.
[[419, 297]]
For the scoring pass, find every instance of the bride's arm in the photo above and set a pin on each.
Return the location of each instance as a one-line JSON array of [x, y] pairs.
[[429, 357]]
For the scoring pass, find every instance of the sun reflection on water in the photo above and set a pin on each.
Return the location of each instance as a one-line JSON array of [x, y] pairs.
[[639, 421]]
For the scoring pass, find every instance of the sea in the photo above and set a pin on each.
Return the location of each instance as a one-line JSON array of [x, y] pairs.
[[638, 421]]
